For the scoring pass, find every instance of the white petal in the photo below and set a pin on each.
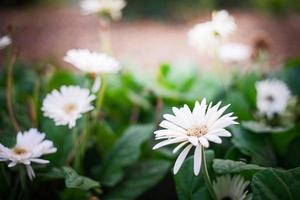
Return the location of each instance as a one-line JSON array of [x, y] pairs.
[[167, 142], [204, 142], [197, 160], [40, 161], [214, 138], [179, 146], [30, 172], [171, 126], [193, 140], [181, 158]]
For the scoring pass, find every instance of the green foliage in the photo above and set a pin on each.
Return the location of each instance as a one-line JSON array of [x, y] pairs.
[[273, 184], [189, 186], [73, 180], [235, 167], [124, 153], [139, 178]]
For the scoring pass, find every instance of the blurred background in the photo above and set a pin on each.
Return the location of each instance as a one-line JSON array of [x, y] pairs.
[[150, 32]]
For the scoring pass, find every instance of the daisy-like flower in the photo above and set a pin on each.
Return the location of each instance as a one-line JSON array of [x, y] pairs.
[[194, 129], [4, 41], [208, 36], [67, 105], [92, 62], [112, 8], [272, 97], [231, 188], [30, 146], [234, 53]]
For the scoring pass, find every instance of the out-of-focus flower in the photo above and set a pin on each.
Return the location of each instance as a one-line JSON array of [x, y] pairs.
[[194, 129], [227, 187], [234, 53], [92, 62], [208, 36], [67, 105], [4, 41], [111, 8], [272, 97], [30, 146]]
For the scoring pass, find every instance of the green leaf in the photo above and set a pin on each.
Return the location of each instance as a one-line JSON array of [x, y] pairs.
[[62, 139], [273, 184], [290, 74], [229, 166], [139, 178], [258, 127], [258, 147], [189, 186], [104, 136], [73, 180], [62, 77], [124, 153], [239, 105], [292, 157]]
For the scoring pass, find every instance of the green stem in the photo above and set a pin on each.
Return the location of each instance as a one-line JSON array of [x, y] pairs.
[[206, 177], [101, 93]]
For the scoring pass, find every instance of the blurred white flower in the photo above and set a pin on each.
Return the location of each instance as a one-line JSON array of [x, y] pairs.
[[194, 129], [272, 97], [92, 62], [208, 36], [113, 8], [30, 146], [234, 53], [67, 105], [4, 41], [227, 187]]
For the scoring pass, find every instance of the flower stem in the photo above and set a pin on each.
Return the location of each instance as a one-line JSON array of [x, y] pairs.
[[100, 96], [206, 177], [9, 93]]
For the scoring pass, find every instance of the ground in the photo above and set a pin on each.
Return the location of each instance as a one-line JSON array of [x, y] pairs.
[[47, 33]]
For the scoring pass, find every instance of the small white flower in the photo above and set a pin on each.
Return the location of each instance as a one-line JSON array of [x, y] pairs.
[[92, 62], [272, 97], [67, 105], [208, 36], [30, 146], [234, 53], [113, 8], [4, 41], [194, 129], [234, 188]]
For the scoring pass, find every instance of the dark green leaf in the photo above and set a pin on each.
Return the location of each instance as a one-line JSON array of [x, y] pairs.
[[258, 147], [140, 177], [125, 152], [257, 127], [189, 186], [229, 166], [73, 180], [273, 184]]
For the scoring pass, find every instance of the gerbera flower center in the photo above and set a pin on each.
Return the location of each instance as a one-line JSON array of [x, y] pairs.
[[270, 98], [198, 132], [70, 108], [19, 150]]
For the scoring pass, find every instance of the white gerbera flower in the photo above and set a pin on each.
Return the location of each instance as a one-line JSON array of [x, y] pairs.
[[231, 188], [5, 41], [30, 146], [234, 53], [194, 129], [113, 8], [92, 62], [67, 105], [208, 36], [272, 97]]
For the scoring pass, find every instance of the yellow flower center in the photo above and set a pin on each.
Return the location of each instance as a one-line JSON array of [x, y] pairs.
[[69, 108], [19, 151], [198, 132]]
